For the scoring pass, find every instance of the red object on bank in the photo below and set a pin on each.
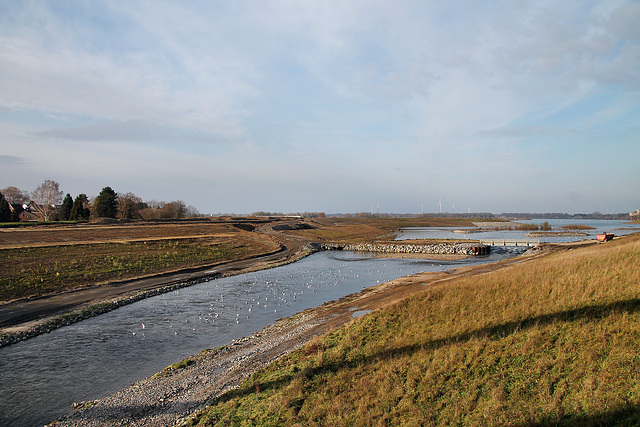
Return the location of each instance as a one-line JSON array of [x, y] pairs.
[[604, 237]]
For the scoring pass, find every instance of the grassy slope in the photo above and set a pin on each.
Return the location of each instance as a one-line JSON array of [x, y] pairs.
[[551, 341]]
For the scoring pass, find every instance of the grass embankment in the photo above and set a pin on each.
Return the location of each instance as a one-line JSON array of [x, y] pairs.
[[551, 341], [34, 271]]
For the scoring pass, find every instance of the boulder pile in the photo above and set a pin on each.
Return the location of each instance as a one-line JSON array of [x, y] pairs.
[[439, 248]]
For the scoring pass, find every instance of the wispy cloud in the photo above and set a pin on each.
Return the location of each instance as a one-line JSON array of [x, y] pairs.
[[410, 89], [131, 131], [59, 71], [523, 132], [11, 160]]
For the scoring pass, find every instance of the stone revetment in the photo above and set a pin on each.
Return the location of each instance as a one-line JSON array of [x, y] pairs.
[[440, 248]]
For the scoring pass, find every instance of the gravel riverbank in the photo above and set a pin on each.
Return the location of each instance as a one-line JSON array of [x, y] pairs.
[[175, 393]]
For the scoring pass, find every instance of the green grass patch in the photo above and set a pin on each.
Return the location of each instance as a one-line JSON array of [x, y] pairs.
[[29, 272], [171, 369], [550, 342]]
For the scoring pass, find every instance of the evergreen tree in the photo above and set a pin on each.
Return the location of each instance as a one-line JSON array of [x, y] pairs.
[[5, 211], [65, 208], [105, 204], [79, 210]]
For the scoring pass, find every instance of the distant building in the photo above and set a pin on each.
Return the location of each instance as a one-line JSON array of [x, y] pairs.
[[635, 215], [27, 212], [16, 209]]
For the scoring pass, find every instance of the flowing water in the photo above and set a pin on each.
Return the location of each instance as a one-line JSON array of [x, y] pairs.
[[40, 378]]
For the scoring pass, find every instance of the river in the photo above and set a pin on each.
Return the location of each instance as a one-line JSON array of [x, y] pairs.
[[619, 228], [40, 378]]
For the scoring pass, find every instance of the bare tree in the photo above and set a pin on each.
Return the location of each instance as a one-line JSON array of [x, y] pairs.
[[46, 197], [129, 206], [152, 209], [191, 212], [15, 196], [173, 210]]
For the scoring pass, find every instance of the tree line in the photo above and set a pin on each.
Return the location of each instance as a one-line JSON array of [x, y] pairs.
[[47, 203]]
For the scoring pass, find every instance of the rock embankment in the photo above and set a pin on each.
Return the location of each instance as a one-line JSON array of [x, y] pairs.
[[438, 249]]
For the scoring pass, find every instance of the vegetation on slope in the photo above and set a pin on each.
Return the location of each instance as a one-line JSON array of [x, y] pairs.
[[552, 341], [33, 271]]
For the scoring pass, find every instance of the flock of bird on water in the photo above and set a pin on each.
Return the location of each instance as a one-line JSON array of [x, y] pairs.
[[252, 294]]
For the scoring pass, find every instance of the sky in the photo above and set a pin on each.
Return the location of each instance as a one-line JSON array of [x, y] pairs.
[[323, 105]]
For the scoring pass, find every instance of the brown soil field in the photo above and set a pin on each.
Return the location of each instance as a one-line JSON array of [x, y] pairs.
[[339, 229], [55, 235]]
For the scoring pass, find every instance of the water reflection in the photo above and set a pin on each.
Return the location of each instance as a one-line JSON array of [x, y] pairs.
[[40, 378]]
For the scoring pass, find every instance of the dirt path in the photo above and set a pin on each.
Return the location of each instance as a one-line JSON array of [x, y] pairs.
[[167, 400]]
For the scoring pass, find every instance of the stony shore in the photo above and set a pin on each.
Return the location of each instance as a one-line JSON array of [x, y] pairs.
[[395, 248], [175, 393]]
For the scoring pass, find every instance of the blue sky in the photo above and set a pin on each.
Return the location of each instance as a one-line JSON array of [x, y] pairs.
[[241, 106]]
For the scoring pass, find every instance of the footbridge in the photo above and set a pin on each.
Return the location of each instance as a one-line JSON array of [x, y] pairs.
[[511, 242]]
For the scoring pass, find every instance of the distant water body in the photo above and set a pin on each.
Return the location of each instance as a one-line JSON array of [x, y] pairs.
[[40, 378], [612, 226]]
